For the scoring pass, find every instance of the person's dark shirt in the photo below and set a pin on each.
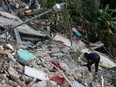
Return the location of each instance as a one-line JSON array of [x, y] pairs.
[[92, 56]]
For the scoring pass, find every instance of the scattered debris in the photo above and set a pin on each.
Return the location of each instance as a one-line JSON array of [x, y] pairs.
[[13, 73], [76, 84], [36, 73], [61, 39], [32, 55], [96, 45]]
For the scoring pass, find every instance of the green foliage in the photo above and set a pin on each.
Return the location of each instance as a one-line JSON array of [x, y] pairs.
[[99, 19], [43, 2], [113, 79], [50, 3], [84, 8], [26, 1]]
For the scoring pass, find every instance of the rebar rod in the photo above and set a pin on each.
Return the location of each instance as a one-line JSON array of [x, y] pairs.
[[32, 18]]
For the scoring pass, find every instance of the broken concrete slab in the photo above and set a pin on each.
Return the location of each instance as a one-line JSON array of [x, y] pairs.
[[9, 16], [13, 73], [65, 50], [5, 21], [96, 45], [55, 50], [62, 39], [28, 44], [36, 73]]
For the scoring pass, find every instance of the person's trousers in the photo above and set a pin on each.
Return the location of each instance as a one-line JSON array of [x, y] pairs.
[[92, 62]]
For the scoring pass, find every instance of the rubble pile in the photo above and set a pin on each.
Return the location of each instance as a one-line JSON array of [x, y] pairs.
[[30, 58]]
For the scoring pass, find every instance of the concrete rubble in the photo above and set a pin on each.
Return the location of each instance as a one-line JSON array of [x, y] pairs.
[[48, 62]]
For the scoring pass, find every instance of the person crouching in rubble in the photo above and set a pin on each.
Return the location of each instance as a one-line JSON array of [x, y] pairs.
[[92, 58]]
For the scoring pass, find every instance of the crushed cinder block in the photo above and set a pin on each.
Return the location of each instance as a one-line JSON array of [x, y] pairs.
[[57, 54], [77, 84], [55, 49], [64, 67], [65, 50], [13, 73], [27, 44], [42, 53], [74, 47], [96, 45]]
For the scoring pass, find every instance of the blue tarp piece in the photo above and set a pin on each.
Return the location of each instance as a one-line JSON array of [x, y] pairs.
[[76, 32], [25, 56]]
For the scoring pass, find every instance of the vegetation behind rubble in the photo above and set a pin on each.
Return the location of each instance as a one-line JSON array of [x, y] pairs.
[[113, 79], [97, 19]]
